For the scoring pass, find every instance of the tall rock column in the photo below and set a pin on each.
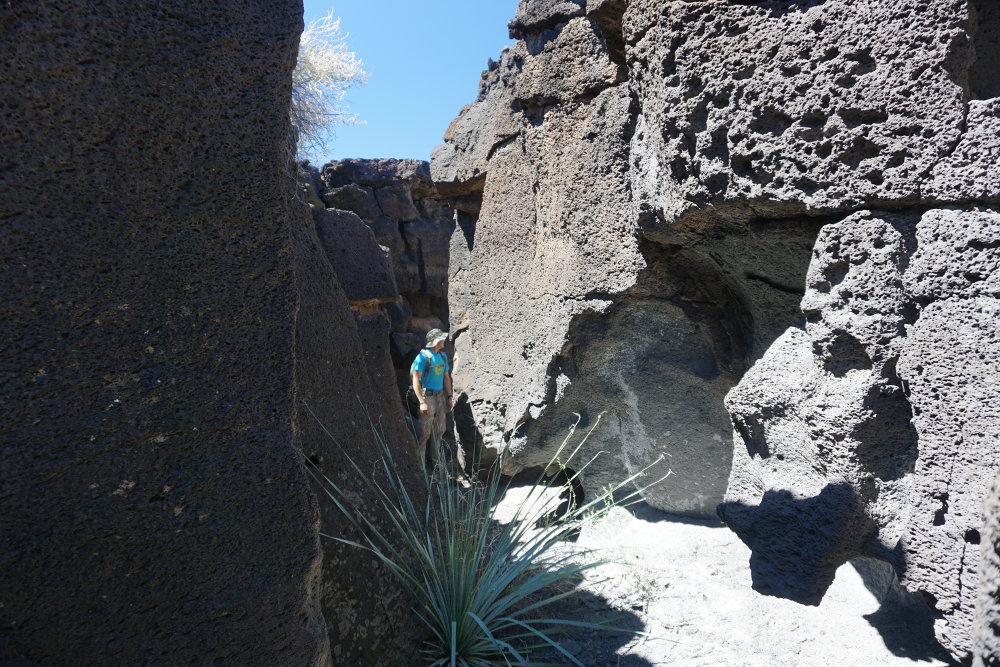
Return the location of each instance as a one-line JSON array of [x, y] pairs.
[[158, 288]]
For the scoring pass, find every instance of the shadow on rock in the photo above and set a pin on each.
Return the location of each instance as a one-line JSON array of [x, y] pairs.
[[646, 512], [904, 621], [798, 543]]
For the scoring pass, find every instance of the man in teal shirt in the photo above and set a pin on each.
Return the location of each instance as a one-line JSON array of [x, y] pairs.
[[431, 376]]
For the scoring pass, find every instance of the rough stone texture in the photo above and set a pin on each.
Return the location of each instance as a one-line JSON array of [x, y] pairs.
[[987, 625], [565, 304], [534, 16], [167, 307], [653, 176], [154, 500], [407, 216], [354, 198], [395, 202], [362, 269], [878, 421], [361, 265], [818, 106], [369, 620]]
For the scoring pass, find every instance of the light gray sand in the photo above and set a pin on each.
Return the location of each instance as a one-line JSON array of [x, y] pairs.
[[688, 584]]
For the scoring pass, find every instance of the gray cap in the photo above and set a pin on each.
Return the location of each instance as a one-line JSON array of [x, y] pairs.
[[435, 336]]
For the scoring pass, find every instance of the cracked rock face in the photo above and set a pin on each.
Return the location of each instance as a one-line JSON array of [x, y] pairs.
[[680, 198], [387, 229]]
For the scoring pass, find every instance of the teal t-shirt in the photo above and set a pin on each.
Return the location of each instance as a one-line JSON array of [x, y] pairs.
[[438, 364]]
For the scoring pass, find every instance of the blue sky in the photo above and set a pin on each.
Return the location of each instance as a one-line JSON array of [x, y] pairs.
[[423, 60]]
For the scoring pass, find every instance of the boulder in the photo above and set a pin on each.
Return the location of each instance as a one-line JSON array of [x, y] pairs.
[[395, 202], [877, 420], [354, 198], [361, 264], [415, 174], [534, 16]]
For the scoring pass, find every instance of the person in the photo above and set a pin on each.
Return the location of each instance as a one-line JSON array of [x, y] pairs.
[[431, 379]]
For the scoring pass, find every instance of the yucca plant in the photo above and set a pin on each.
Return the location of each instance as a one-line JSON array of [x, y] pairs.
[[482, 589]]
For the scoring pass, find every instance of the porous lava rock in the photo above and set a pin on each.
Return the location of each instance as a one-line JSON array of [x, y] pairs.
[[877, 420], [363, 270], [166, 309], [987, 627], [814, 106], [344, 394], [566, 302], [404, 214], [669, 190]]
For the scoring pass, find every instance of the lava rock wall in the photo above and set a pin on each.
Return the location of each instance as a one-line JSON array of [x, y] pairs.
[[877, 420], [793, 204], [168, 311], [987, 626], [405, 215]]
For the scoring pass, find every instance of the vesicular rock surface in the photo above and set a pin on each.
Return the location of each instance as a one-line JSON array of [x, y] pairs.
[[796, 199], [987, 624], [412, 222], [877, 420], [166, 308]]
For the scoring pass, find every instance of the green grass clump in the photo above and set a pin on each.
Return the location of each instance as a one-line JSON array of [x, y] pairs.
[[482, 588]]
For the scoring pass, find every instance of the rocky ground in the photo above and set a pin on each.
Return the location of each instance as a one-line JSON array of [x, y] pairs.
[[687, 585]]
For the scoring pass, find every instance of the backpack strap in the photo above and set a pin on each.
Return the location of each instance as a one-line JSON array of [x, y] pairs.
[[426, 354]]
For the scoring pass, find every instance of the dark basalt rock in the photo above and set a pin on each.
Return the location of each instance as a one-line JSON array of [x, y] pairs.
[[154, 500], [361, 265], [354, 198], [414, 225], [167, 313]]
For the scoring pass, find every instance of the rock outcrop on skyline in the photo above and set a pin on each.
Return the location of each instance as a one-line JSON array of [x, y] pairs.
[[794, 204], [168, 313]]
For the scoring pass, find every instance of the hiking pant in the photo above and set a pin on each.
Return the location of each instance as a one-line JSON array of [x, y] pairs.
[[432, 425]]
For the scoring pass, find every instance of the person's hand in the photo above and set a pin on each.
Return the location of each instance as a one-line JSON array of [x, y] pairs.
[[424, 410]]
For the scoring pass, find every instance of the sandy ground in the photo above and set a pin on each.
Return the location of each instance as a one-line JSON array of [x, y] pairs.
[[687, 584]]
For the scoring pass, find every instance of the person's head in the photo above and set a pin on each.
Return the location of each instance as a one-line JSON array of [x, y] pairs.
[[436, 339]]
